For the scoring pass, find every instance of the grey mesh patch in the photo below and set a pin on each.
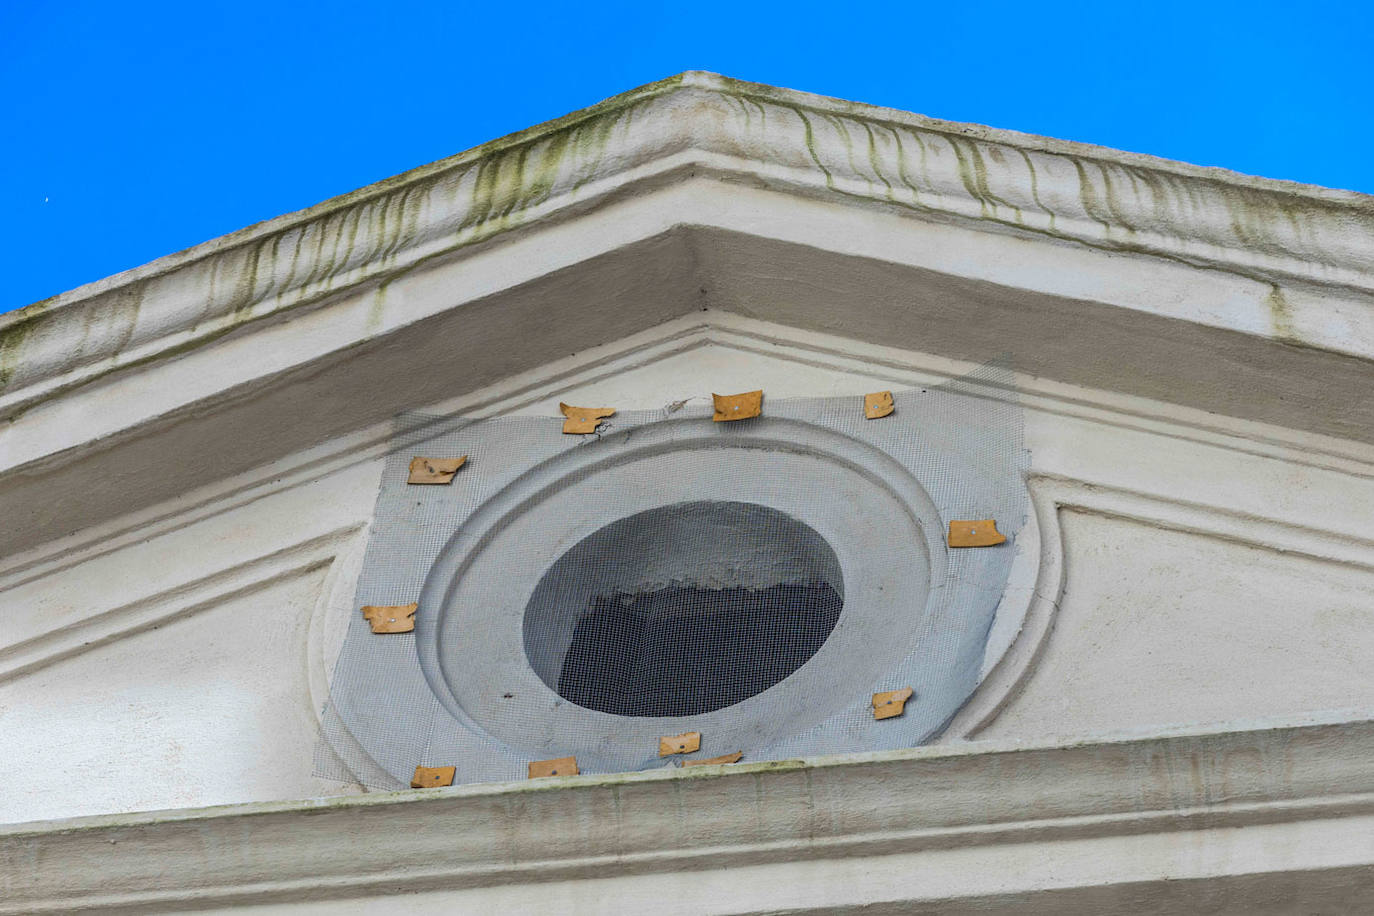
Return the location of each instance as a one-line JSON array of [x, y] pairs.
[[755, 581]]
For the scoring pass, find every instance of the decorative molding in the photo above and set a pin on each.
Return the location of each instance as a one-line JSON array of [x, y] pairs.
[[1052, 496], [707, 329], [1011, 669], [925, 826], [100, 627], [339, 454], [701, 125], [714, 329], [1044, 395], [1345, 548]]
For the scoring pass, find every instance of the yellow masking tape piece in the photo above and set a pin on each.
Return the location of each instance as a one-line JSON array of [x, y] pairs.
[[979, 532], [390, 618], [890, 703], [878, 404], [432, 777], [685, 743], [434, 470], [561, 766], [737, 406], [583, 420]]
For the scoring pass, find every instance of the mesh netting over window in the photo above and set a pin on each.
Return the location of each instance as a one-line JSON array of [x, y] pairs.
[[608, 639], [756, 581]]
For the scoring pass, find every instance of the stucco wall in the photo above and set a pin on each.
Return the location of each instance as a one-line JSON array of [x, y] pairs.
[[1192, 576]]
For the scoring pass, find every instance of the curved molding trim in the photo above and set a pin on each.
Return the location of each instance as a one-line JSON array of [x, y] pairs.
[[1028, 611], [1050, 497]]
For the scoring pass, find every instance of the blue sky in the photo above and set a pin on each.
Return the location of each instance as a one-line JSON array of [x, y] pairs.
[[132, 130]]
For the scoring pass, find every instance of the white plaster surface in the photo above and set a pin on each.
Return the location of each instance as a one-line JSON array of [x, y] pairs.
[[209, 709], [1195, 589], [1159, 628]]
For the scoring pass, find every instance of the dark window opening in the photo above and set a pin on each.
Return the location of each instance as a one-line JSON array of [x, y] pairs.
[[682, 651], [683, 609]]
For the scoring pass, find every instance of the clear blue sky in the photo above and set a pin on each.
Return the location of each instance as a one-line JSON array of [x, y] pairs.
[[131, 130]]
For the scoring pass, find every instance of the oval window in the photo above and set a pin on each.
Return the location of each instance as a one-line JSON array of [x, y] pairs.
[[683, 609]]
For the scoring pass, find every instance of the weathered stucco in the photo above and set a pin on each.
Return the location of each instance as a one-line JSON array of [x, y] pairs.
[[1146, 824]]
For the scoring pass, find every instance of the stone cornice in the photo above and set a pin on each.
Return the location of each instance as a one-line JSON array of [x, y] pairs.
[[1108, 815], [701, 124]]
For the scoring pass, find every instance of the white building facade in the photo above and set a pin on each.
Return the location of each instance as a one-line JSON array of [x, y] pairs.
[[1176, 708]]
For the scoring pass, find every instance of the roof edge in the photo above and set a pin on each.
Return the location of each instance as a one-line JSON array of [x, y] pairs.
[[790, 141]]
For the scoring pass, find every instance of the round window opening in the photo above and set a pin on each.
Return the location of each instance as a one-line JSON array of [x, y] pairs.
[[683, 609]]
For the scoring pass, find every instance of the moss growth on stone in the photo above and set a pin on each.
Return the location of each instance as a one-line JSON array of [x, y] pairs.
[[1281, 316], [11, 346], [496, 184]]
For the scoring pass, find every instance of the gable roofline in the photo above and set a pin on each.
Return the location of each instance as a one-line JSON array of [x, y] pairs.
[[1276, 232]]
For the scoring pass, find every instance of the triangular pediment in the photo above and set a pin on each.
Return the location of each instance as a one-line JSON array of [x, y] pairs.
[[193, 454]]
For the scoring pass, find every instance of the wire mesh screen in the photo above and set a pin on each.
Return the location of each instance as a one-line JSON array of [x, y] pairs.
[[751, 595], [756, 581]]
